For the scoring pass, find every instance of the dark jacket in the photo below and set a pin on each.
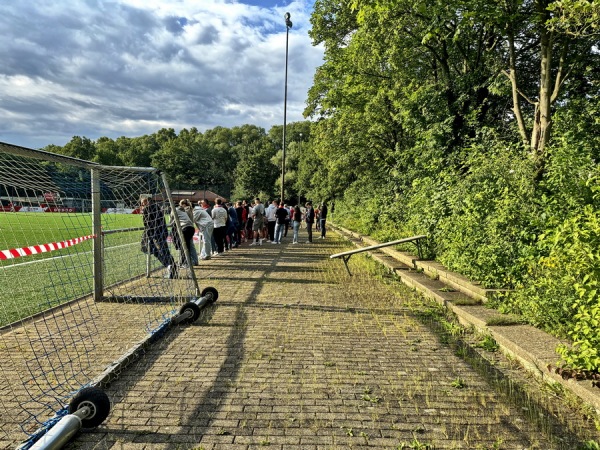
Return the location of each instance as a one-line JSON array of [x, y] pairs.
[[154, 221], [324, 212], [309, 216]]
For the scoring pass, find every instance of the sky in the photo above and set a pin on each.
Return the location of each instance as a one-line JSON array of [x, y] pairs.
[[116, 68]]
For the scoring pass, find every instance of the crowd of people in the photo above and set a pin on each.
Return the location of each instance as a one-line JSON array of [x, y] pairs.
[[223, 227]]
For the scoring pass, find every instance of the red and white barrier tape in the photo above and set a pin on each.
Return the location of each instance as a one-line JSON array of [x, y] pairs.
[[44, 248]]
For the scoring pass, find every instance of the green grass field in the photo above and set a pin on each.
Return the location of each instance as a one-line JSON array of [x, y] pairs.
[[31, 284], [25, 229]]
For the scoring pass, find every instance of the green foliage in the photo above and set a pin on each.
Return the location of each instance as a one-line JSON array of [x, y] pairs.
[[235, 162], [488, 343], [589, 445], [458, 383], [560, 291], [415, 444], [575, 249], [576, 17], [490, 224]]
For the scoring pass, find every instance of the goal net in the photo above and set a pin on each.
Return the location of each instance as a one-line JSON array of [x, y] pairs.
[[82, 281]]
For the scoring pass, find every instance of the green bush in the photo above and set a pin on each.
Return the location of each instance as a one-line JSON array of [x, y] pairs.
[[576, 249], [492, 218], [560, 291]]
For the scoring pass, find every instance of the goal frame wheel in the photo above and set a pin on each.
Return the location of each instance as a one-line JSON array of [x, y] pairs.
[[194, 308], [210, 290], [98, 403]]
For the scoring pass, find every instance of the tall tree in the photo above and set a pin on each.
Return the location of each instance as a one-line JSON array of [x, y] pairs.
[[108, 152], [80, 147]]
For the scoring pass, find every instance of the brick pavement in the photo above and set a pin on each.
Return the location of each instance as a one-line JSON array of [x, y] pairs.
[[297, 355]]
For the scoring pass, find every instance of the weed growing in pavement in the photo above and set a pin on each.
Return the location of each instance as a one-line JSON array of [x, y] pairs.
[[365, 436], [461, 352], [488, 343], [371, 398], [415, 444], [447, 289], [458, 383], [497, 445], [504, 321], [453, 328], [467, 301]]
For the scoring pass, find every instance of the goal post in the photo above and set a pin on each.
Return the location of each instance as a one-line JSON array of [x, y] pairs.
[[80, 283]]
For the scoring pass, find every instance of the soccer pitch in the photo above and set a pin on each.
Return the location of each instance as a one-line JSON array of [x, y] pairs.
[[31, 284]]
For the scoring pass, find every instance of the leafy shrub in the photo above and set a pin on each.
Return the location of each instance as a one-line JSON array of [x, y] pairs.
[[492, 217], [560, 291], [576, 248]]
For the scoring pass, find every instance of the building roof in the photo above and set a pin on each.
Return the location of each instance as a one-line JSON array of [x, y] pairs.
[[195, 195]]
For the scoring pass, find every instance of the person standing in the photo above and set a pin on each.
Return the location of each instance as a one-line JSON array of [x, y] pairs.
[[309, 218], [206, 205], [323, 219], [258, 214], [288, 220], [187, 228], [317, 221], [154, 238], [232, 227], [296, 221], [242, 217], [187, 206], [205, 224], [271, 219], [249, 221], [219, 215], [281, 215]]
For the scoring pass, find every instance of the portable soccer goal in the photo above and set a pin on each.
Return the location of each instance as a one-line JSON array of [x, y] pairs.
[[80, 290]]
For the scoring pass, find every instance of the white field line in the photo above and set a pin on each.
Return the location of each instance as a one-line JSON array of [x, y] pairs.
[[65, 256]]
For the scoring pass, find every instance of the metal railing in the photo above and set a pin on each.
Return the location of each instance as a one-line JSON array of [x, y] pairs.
[[346, 255]]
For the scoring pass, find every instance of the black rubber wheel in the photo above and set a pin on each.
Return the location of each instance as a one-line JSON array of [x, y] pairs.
[[97, 402], [211, 290], [195, 309]]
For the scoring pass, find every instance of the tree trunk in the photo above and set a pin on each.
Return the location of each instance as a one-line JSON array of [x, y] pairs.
[[543, 118], [512, 75]]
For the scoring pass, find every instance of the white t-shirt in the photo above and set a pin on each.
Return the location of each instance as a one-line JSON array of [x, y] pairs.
[[219, 215]]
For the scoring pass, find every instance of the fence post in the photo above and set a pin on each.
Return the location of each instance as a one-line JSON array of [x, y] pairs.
[[97, 231]]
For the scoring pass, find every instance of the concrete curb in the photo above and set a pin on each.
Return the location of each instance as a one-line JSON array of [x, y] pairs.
[[533, 348]]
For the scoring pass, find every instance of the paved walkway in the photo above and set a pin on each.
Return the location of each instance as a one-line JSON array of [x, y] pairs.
[[295, 354]]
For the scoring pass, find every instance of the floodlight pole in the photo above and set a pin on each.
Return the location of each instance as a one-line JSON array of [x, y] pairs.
[[288, 25], [300, 157]]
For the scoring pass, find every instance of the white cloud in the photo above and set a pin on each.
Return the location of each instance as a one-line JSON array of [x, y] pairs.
[[97, 68]]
